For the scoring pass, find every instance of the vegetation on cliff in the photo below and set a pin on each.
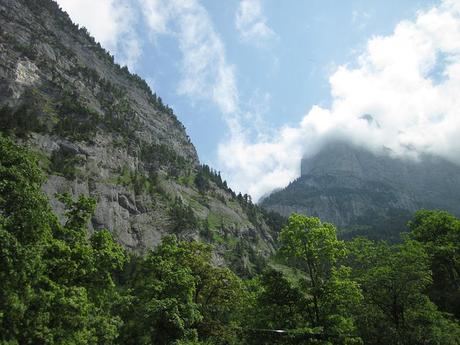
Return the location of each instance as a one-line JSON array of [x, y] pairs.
[[99, 130]]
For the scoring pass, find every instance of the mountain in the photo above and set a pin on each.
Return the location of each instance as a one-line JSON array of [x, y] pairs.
[[98, 130], [368, 194]]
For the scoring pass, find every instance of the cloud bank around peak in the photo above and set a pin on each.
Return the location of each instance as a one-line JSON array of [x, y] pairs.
[[402, 94]]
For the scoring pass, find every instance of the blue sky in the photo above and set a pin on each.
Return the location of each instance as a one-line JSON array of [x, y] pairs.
[[261, 83], [283, 76]]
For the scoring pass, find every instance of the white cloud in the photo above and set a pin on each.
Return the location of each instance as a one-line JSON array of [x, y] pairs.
[[111, 23], [157, 14], [251, 23], [205, 73], [393, 81], [256, 108], [408, 82]]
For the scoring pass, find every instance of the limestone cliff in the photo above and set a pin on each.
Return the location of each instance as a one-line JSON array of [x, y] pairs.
[[97, 129], [366, 193]]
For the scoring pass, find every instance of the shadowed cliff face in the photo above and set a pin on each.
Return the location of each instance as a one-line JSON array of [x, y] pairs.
[[99, 130], [90, 119], [355, 189]]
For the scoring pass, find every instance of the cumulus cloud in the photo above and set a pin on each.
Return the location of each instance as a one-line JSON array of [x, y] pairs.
[[111, 24], [251, 22], [400, 96]]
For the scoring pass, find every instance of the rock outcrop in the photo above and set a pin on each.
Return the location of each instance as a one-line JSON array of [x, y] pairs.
[[365, 193], [98, 130]]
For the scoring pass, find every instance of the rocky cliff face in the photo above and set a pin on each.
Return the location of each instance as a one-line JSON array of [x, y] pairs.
[[99, 130], [367, 193]]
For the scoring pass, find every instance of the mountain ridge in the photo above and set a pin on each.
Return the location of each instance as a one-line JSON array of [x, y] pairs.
[[353, 187], [98, 130]]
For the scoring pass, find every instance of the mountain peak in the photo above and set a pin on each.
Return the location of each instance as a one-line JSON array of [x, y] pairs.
[[353, 187]]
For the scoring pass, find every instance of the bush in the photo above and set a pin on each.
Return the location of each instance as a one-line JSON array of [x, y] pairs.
[[182, 216], [76, 120], [64, 162], [20, 121]]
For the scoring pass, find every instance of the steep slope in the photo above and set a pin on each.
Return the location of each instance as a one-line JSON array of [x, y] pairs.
[[99, 130], [364, 193]]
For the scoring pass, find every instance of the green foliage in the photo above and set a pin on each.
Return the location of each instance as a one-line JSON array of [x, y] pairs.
[[138, 181], [378, 225], [119, 116], [313, 248], [256, 214], [76, 121], [205, 175], [163, 290], [158, 156], [25, 225], [395, 309], [201, 182], [279, 303], [24, 209], [439, 233], [244, 258], [23, 119], [179, 295], [182, 217], [273, 219], [58, 285], [64, 162]]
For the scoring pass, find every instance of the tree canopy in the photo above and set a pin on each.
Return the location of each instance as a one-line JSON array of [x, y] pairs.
[[63, 283]]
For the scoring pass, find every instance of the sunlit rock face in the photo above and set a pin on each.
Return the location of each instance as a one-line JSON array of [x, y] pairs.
[[364, 192], [99, 130]]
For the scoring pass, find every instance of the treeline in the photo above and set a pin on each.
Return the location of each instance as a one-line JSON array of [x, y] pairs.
[[206, 176], [78, 122], [63, 20], [58, 285]]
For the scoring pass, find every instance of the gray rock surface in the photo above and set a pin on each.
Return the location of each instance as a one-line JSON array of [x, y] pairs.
[[99, 131], [352, 187]]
